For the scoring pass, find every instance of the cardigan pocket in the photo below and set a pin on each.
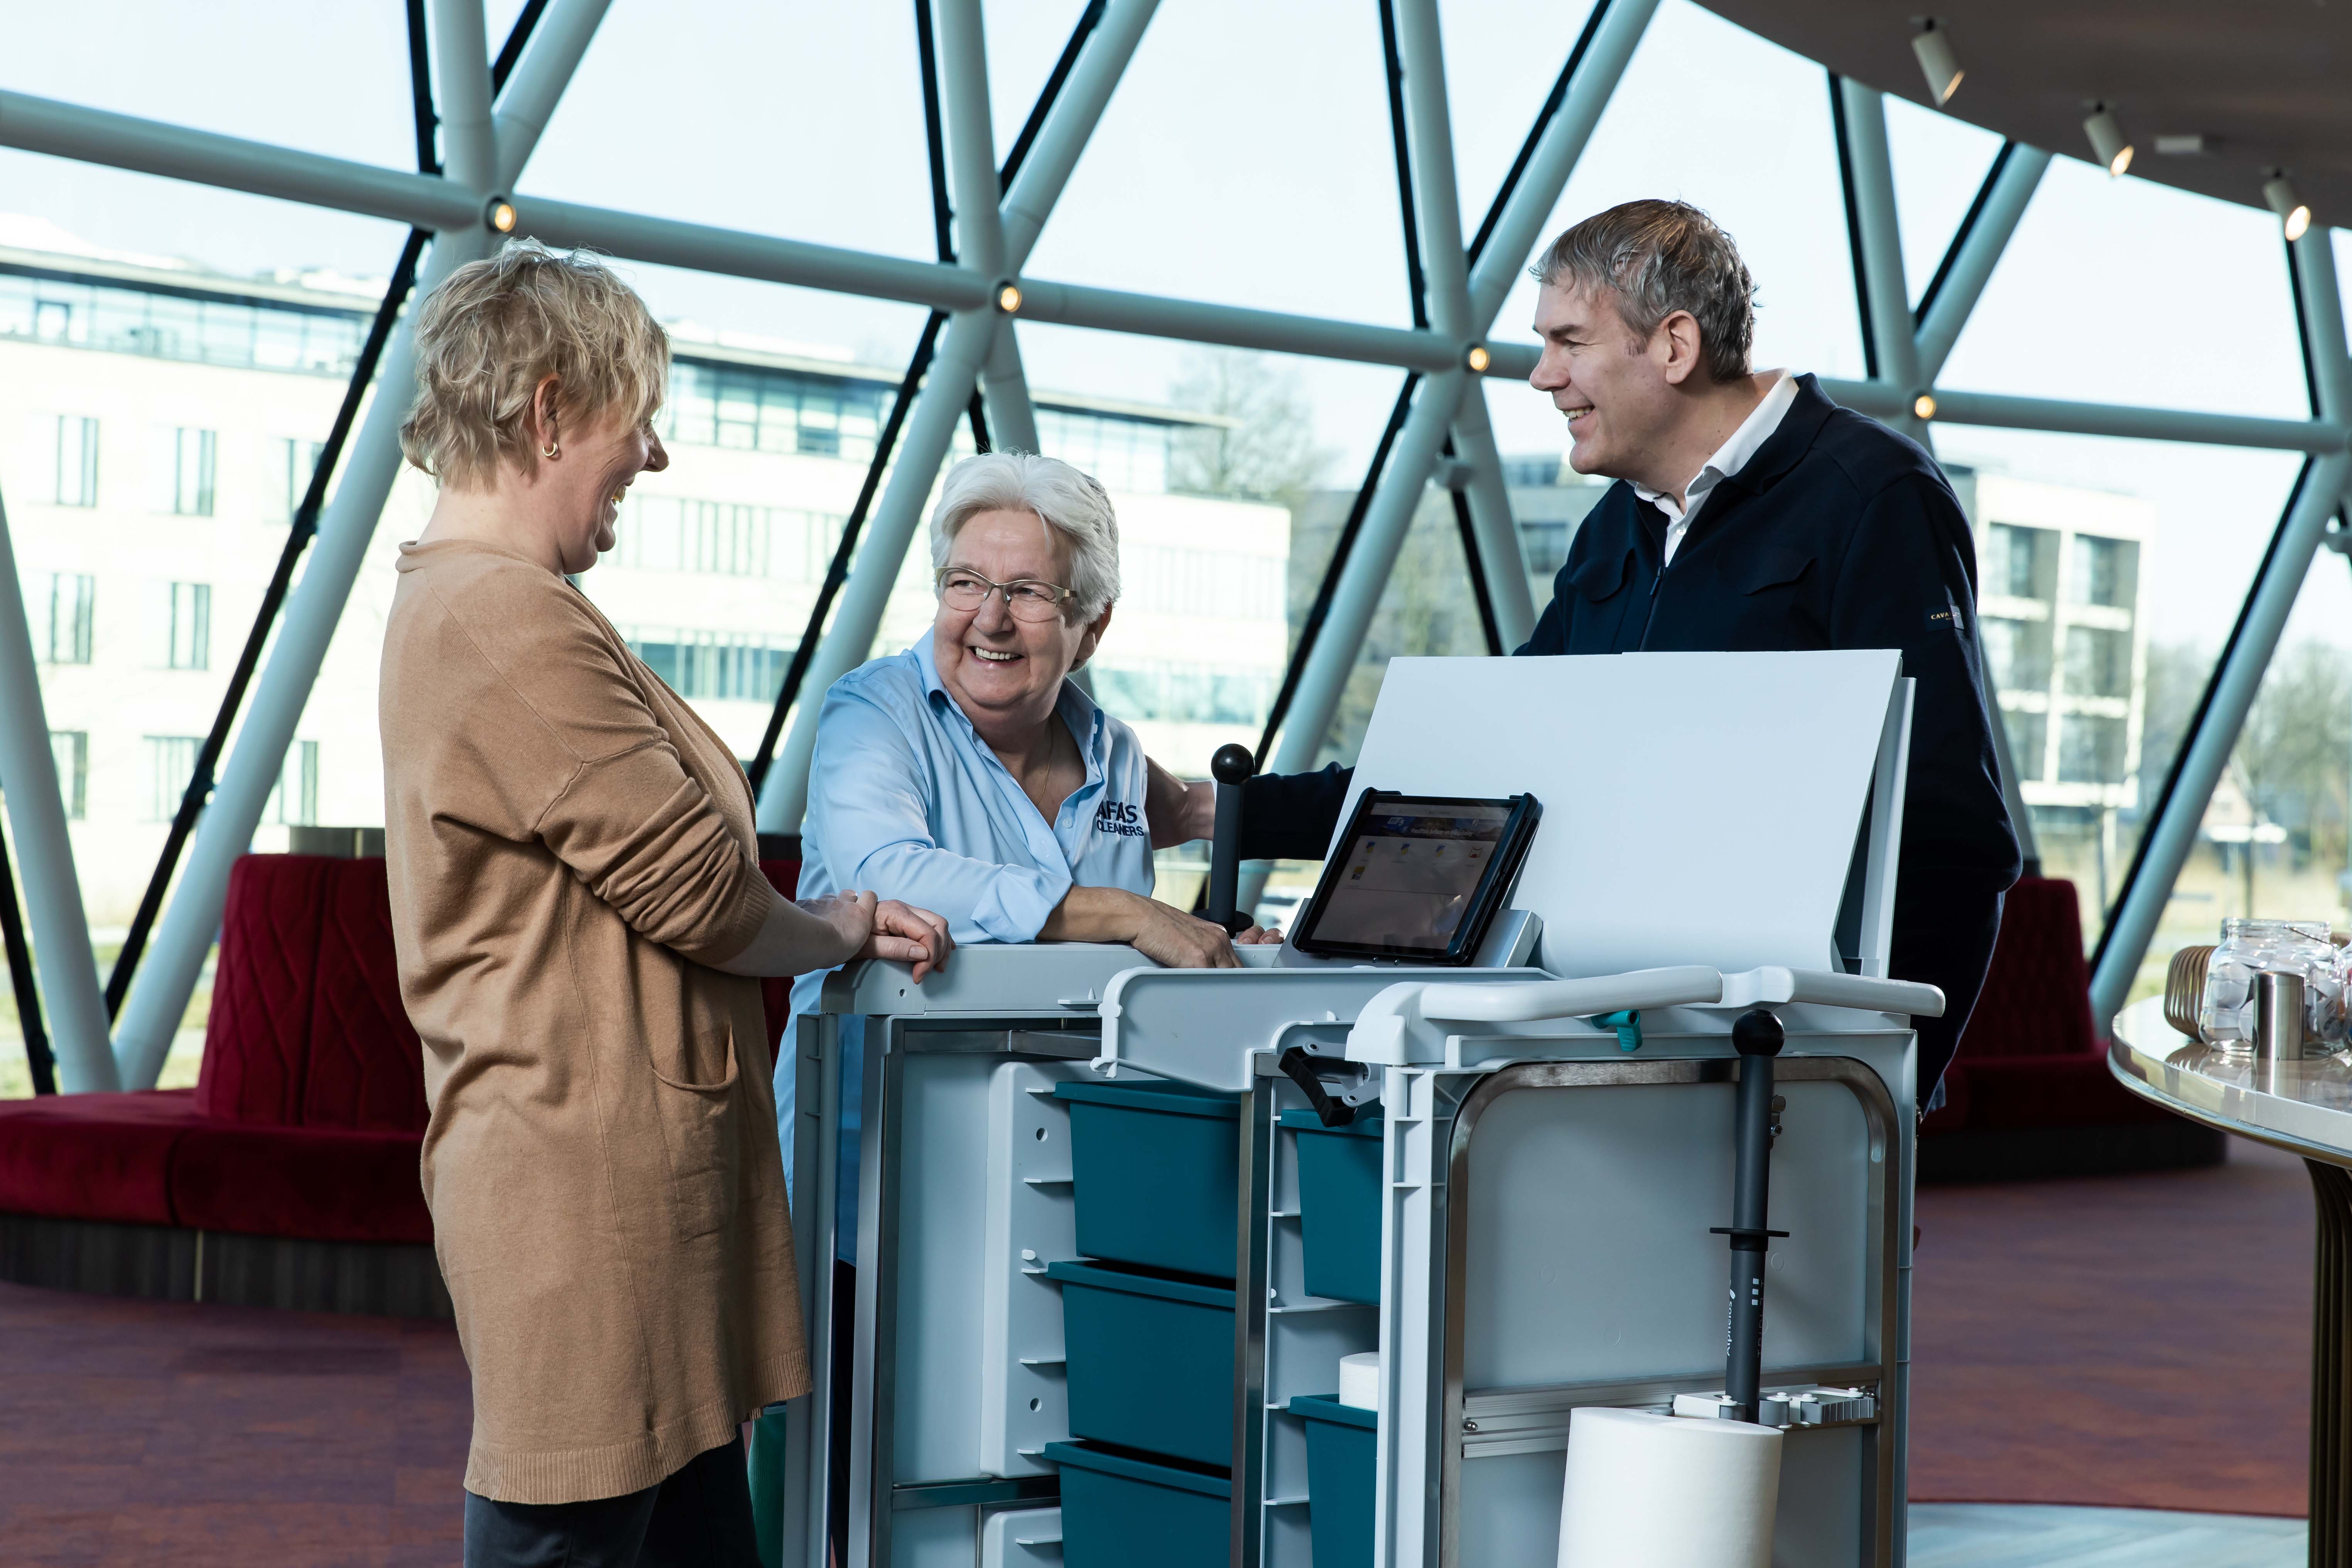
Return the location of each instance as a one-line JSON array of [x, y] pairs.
[[702, 1135]]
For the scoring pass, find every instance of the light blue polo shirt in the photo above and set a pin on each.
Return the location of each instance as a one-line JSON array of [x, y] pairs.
[[906, 800]]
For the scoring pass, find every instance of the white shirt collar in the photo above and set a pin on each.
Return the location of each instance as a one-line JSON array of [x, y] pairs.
[[1730, 458]]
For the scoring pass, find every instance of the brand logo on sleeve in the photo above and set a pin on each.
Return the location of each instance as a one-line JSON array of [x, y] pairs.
[[1119, 817]]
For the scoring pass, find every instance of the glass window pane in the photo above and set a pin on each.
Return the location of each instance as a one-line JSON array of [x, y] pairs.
[[2271, 841], [2111, 573]]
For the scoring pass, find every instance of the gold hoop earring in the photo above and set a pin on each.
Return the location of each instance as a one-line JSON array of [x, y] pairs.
[[551, 450]]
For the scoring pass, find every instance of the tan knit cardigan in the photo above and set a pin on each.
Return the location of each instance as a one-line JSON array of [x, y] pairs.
[[569, 849]]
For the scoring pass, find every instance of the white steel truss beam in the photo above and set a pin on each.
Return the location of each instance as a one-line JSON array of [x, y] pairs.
[[29, 774], [979, 231], [1429, 146], [1437, 406], [1979, 252], [548, 63], [180, 153], [1880, 237], [97, 136], [2269, 600], [461, 60]]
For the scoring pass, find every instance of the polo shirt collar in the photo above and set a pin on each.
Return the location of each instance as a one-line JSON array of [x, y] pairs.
[[1081, 712]]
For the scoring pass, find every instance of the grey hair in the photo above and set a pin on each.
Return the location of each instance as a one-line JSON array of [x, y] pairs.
[[1656, 257], [1072, 503]]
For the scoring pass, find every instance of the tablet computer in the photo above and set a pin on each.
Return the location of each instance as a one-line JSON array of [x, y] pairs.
[[1417, 877]]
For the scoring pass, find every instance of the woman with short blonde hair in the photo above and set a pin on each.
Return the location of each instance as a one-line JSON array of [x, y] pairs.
[[578, 914]]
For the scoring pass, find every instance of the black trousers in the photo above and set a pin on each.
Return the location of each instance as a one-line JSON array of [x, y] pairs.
[[698, 1518]]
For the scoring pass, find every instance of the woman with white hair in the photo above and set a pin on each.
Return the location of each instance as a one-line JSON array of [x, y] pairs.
[[970, 775], [579, 916]]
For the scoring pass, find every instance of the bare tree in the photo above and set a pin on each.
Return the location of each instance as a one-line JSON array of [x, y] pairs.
[[2291, 757], [1263, 446], [2177, 672]]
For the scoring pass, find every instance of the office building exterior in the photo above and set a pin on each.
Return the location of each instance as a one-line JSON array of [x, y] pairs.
[[157, 428]]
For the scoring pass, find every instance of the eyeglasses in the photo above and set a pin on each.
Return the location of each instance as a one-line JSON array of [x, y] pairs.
[[1028, 598]]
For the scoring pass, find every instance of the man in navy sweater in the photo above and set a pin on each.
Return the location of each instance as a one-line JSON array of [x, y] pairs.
[[1751, 513]]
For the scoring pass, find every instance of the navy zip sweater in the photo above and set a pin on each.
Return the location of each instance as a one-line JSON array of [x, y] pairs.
[[1839, 533]]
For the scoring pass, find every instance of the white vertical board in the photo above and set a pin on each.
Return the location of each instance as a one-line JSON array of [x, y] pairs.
[[1697, 807], [1032, 1221]]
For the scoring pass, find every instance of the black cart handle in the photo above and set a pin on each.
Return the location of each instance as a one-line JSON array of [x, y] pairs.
[[1231, 768]]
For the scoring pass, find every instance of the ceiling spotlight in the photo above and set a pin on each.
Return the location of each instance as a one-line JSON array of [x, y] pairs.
[[2191, 146], [500, 214], [2107, 139], [1923, 405], [2294, 213], [1934, 47], [1008, 299], [1478, 359]]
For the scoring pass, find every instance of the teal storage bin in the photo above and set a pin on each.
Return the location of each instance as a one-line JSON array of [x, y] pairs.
[[1124, 1512], [1340, 1205], [1157, 1165], [1341, 1468], [1150, 1362]]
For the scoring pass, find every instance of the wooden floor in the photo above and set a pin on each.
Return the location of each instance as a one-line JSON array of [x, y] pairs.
[[1981, 1535], [2131, 1341], [2137, 1341], [167, 1433]]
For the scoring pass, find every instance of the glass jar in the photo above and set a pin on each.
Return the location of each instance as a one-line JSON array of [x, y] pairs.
[[2250, 947]]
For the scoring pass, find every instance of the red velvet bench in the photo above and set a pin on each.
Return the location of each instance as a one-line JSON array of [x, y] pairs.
[[2029, 1094], [288, 1176]]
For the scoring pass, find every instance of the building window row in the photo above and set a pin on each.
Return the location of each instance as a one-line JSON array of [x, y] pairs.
[[2098, 660], [755, 409], [668, 533], [2021, 563], [1129, 456], [1161, 579], [170, 762], [183, 467], [741, 667], [225, 331], [179, 625], [76, 470], [184, 472], [62, 609], [2093, 748], [1184, 693]]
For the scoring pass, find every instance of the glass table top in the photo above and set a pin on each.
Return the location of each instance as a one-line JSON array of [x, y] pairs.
[[2302, 1106]]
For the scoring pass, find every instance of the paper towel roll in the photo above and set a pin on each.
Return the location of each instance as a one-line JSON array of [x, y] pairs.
[[1664, 1491], [1360, 1379]]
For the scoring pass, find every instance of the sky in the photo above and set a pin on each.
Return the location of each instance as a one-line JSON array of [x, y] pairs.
[[1245, 159]]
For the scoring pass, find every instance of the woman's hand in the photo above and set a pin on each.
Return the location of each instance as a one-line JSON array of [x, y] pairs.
[[851, 915], [908, 934], [1167, 936], [869, 927], [1163, 934]]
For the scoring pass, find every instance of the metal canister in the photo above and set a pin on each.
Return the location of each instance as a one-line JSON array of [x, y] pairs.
[[2279, 1037]]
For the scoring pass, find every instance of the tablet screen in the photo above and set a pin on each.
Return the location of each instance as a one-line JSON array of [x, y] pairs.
[[1410, 872]]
